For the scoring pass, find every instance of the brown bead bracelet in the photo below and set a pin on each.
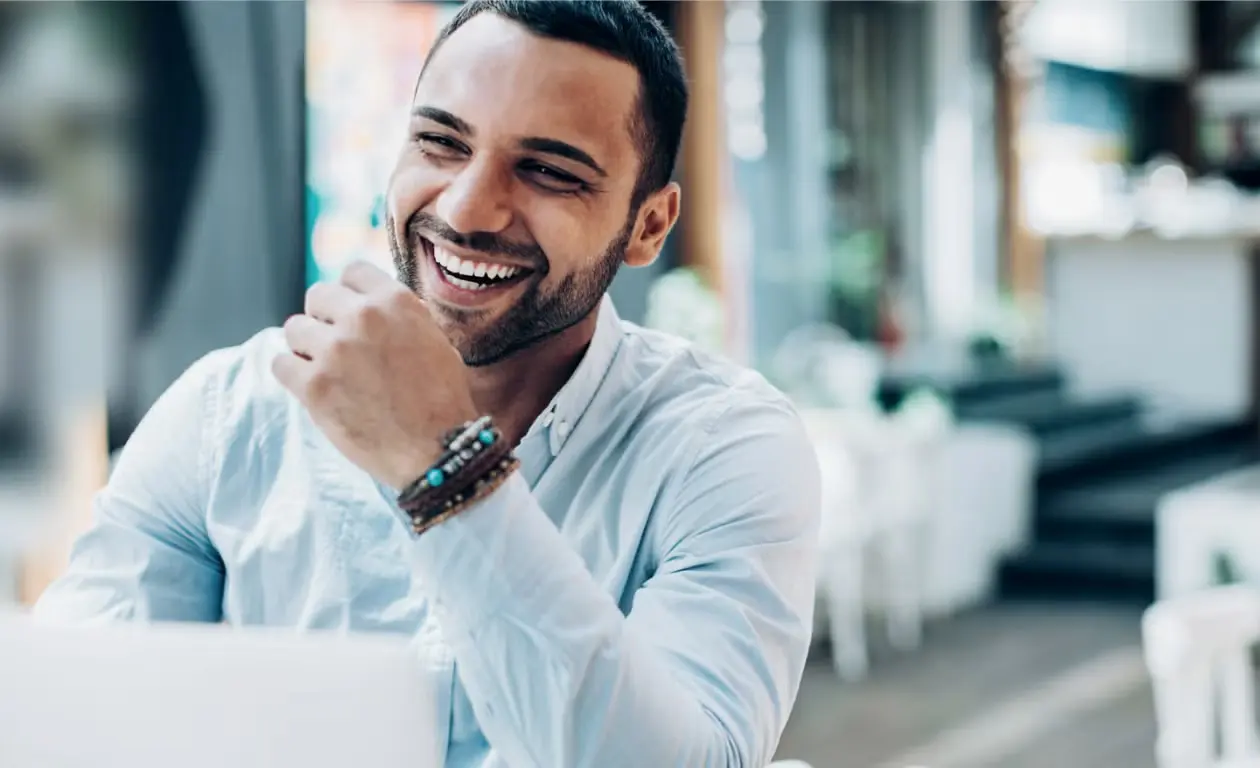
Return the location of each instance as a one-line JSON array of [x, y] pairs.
[[483, 487], [475, 461]]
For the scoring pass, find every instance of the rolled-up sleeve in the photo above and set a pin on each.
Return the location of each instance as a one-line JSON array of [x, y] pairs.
[[704, 669], [146, 554]]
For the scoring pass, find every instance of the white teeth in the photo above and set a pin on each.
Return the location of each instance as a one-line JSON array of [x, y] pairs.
[[467, 285], [452, 265]]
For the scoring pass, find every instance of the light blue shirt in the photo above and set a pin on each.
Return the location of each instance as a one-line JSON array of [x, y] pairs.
[[640, 594]]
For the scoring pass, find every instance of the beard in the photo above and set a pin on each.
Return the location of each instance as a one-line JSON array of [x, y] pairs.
[[538, 314]]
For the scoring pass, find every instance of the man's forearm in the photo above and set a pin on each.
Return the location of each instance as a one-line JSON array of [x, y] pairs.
[[556, 675]]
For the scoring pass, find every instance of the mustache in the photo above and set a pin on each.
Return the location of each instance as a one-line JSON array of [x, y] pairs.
[[426, 226]]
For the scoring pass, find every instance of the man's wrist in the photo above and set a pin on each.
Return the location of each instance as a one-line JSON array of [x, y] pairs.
[[410, 469], [425, 455], [476, 459]]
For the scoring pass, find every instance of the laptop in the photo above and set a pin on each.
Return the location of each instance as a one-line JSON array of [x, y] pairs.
[[209, 696]]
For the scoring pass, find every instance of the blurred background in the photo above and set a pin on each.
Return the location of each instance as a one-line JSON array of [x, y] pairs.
[[1002, 254]]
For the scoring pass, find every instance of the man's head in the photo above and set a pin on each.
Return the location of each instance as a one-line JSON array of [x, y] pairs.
[[542, 140]]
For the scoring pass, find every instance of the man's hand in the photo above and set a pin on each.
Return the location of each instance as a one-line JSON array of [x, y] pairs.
[[377, 375]]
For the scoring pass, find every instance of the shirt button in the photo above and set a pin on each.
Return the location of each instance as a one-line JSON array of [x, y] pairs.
[[563, 429]]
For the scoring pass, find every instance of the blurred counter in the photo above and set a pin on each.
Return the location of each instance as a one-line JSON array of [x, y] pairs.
[[1171, 318]]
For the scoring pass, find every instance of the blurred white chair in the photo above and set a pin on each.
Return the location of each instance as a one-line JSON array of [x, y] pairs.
[[878, 488], [821, 364], [1197, 525], [907, 490], [1198, 650], [844, 536], [790, 764], [983, 512], [877, 495]]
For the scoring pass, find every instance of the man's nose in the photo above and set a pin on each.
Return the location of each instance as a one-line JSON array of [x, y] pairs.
[[478, 199]]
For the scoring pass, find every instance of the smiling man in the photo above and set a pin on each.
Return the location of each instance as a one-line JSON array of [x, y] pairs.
[[602, 540]]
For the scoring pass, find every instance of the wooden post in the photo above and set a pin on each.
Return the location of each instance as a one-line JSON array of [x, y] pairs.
[[1023, 251], [701, 31], [81, 468]]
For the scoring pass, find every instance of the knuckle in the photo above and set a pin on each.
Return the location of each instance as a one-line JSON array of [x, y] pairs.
[[352, 270], [312, 294], [319, 385], [339, 346], [400, 299], [371, 316]]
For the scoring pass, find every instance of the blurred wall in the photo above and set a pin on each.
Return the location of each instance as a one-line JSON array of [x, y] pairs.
[[1169, 319], [786, 191], [241, 259], [958, 249]]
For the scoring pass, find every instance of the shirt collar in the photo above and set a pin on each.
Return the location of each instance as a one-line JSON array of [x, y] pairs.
[[561, 415]]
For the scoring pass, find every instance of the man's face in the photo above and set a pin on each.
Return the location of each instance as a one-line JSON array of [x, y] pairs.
[[509, 210]]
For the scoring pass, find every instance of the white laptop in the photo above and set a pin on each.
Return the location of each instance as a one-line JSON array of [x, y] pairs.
[[185, 696]]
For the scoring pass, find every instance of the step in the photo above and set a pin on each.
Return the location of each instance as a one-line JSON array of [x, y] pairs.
[[967, 383], [1044, 412], [1080, 571], [1096, 451], [1122, 508]]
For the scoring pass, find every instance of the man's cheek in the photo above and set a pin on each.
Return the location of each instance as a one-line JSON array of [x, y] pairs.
[[409, 187]]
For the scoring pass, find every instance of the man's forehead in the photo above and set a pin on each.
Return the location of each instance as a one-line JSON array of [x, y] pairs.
[[495, 72]]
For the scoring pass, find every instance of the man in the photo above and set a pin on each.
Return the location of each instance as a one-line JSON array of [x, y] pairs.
[[640, 591]]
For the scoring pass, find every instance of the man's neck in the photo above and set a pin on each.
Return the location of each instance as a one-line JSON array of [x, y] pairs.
[[514, 391]]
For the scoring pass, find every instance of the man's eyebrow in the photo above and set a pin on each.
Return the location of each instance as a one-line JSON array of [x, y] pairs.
[[535, 143], [443, 117], [561, 149]]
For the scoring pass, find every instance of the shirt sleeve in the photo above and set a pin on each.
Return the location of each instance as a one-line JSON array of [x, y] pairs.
[[146, 554], [704, 669]]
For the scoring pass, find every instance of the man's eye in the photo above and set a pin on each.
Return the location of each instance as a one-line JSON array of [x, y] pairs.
[[553, 178], [437, 144]]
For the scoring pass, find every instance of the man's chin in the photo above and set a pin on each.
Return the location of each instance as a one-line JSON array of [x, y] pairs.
[[477, 353], [481, 344], [460, 323], [464, 330]]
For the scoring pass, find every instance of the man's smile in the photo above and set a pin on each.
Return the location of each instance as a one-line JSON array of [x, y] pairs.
[[468, 280]]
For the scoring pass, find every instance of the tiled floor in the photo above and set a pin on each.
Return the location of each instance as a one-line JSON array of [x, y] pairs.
[[1009, 686]]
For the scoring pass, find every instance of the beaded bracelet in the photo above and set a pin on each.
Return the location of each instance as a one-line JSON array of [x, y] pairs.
[[475, 461], [462, 445], [483, 487], [426, 496]]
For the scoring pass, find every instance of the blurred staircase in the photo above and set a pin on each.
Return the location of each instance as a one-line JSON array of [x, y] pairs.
[[1103, 466]]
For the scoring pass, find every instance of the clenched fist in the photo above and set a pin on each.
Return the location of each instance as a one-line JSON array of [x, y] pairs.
[[377, 375]]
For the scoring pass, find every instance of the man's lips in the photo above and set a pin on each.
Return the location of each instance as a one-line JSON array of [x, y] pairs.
[[476, 265], [505, 257], [467, 280]]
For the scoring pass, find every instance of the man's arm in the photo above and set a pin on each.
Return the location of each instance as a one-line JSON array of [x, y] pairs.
[[146, 555], [704, 670]]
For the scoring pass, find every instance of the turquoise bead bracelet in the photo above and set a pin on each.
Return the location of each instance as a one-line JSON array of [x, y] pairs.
[[472, 452]]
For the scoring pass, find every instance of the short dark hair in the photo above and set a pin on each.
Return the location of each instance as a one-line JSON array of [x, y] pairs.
[[624, 30]]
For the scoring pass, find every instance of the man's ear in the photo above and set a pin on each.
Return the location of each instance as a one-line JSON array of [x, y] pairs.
[[657, 216]]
